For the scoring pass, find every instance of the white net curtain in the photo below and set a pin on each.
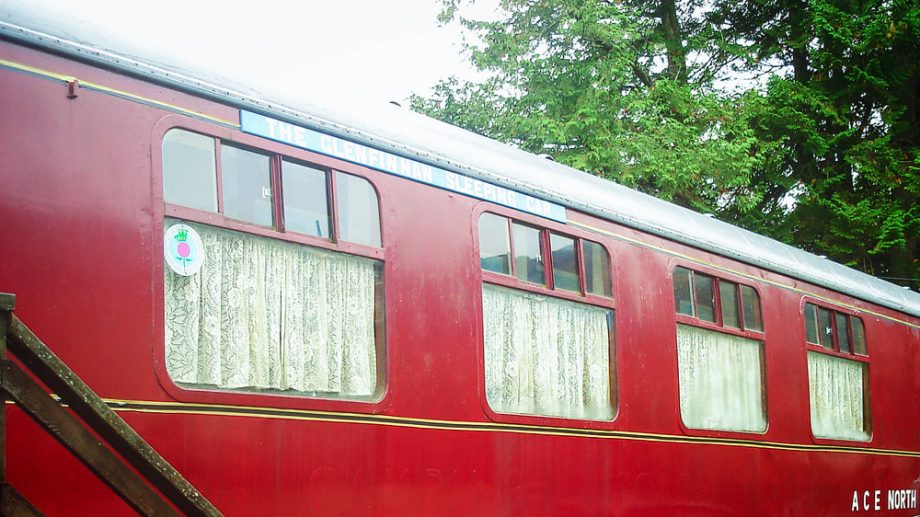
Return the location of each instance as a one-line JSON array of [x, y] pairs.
[[268, 314], [721, 380], [836, 392], [545, 356]]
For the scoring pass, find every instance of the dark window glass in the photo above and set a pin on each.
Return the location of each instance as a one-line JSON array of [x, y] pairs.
[[705, 301], [811, 324], [305, 201], [683, 294], [565, 263], [843, 336], [189, 170], [247, 185], [825, 329], [528, 255], [859, 336], [494, 246], [728, 297], [597, 268], [751, 303], [359, 216]]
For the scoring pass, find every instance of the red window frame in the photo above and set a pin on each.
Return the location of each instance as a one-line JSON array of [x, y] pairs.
[[835, 352], [835, 338], [278, 230], [163, 210], [718, 324], [548, 287], [512, 281]]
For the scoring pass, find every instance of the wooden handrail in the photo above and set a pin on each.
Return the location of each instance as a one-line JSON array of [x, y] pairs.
[[97, 416], [29, 396], [14, 505]]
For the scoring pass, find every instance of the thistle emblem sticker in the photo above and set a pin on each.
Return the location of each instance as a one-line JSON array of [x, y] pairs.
[[183, 250]]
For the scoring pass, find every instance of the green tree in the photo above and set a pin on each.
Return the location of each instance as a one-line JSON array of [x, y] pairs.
[[605, 90], [843, 98], [793, 118]]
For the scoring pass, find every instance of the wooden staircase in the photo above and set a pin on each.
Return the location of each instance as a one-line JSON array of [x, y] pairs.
[[86, 427]]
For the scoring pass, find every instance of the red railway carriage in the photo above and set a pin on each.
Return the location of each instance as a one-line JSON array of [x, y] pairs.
[[379, 314]]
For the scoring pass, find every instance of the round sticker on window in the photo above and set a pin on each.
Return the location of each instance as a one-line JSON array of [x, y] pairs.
[[183, 249]]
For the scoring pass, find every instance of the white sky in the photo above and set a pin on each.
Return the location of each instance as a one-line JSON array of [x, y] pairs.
[[344, 50]]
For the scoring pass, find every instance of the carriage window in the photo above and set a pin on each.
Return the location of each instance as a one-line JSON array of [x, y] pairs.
[[728, 297], [825, 329], [721, 380], [834, 331], [683, 292], [339, 207], [305, 207], [189, 170], [705, 299], [266, 315], [548, 329], [837, 397], [565, 263], [546, 356], [720, 370], [751, 303], [739, 304], [571, 258], [843, 333], [838, 378], [494, 245], [811, 323], [859, 336], [597, 268], [359, 216], [528, 253], [247, 185]]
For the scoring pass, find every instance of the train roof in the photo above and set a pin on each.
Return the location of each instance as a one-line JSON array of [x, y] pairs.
[[421, 138]]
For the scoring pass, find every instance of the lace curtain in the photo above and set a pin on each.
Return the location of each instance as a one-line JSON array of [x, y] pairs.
[[545, 356], [269, 314], [721, 380], [836, 393]]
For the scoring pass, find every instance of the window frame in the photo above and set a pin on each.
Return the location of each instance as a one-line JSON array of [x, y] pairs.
[[718, 325], [277, 154], [835, 351], [328, 184], [761, 336], [548, 288], [161, 210], [511, 281], [274, 184], [817, 348]]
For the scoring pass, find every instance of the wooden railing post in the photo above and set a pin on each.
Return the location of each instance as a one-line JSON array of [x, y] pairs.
[[7, 304], [14, 505], [11, 503]]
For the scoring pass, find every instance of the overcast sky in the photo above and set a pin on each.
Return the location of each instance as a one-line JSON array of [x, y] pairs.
[[347, 50]]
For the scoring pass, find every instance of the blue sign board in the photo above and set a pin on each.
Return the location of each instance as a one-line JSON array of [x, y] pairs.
[[310, 140]]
